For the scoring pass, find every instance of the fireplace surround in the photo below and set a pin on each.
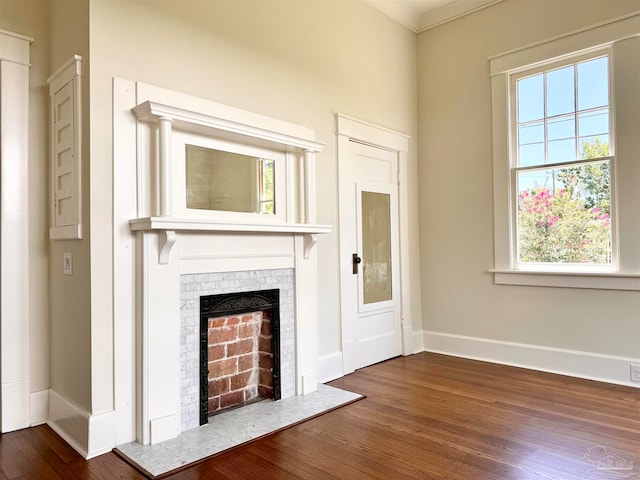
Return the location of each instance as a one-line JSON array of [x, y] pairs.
[[195, 287], [177, 248]]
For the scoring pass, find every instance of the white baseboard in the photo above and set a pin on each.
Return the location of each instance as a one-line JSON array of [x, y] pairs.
[[163, 428], [89, 435], [70, 422], [592, 366], [330, 367], [102, 433], [15, 405], [39, 407], [418, 341], [408, 339]]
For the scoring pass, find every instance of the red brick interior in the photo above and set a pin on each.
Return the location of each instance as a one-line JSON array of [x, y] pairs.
[[240, 360]]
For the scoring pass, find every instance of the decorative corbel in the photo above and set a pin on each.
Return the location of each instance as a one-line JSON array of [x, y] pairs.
[[166, 239], [309, 241]]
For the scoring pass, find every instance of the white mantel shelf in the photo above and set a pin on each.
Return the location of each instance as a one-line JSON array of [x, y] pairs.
[[169, 225], [208, 225]]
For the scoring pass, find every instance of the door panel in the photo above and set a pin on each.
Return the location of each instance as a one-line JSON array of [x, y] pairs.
[[369, 230]]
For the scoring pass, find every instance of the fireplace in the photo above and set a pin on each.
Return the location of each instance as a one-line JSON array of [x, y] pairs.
[[239, 350], [225, 288], [182, 253]]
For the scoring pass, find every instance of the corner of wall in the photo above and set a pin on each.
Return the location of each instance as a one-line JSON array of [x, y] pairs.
[[39, 407], [330, 367], [90, 435], [69, 421]]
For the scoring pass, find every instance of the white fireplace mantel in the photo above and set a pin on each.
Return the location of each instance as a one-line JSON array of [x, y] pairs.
[[169, 225], [206, 225], [171, 240]]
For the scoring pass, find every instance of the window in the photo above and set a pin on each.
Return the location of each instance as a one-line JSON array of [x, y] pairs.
[[265, 186], [562, 164], [566, 159]]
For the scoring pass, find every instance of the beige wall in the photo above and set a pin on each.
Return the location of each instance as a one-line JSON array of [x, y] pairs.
[[456, 196], [70, 294], [298, 61], [30, 18]]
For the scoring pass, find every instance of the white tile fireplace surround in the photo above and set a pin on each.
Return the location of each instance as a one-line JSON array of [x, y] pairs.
[[182, 253], [192, 287]]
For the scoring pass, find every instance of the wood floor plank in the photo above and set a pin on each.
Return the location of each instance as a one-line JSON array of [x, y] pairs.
[[426, 416]]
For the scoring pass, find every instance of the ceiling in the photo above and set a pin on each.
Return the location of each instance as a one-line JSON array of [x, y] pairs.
[[421, 15]]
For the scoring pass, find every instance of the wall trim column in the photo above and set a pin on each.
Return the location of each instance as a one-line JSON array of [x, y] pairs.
[[14, 241]]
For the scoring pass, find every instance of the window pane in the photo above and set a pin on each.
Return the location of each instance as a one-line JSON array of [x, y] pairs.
[[531, 155], [560, 91], [594, 147], [535, 179], [564, 215], [561, 128], [376, 247], [267, 200], [562, 150], [533, 133], [530, 94], [592, 123], [593, 83]]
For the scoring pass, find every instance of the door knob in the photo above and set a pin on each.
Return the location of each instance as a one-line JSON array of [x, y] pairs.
[[356, 260]]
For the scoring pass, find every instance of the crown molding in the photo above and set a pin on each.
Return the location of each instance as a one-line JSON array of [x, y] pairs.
[[418, 22], [401, 12], [451, 12]]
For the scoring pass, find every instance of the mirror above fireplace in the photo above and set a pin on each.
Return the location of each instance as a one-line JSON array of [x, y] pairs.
[[227, 181]]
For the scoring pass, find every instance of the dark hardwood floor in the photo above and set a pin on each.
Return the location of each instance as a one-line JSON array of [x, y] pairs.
[[426, 416]]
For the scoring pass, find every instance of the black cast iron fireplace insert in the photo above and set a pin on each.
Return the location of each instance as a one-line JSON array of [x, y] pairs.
[[227, 304]]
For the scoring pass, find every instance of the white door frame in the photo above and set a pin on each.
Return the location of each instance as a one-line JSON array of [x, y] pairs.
[[352, 129], [15, 395]]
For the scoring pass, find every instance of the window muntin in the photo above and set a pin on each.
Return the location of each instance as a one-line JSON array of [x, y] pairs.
[[562, 164]]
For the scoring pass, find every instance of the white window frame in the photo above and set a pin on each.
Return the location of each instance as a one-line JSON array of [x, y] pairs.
[[624, 272], [515, 167]]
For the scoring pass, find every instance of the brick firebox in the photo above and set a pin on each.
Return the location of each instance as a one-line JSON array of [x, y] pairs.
[[240, 360], [239, 350]]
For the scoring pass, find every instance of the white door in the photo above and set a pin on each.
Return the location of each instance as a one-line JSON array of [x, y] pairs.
[[369, 249]]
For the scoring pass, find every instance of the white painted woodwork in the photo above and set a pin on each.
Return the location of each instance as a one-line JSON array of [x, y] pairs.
[[575, 363], [183, 242], [66, 209], [621, 35], [124, 259], [14, 209], [217, 117], [191, 224], [385, 141], [371, 331], [164, 131], [422, 15], [309, 193]]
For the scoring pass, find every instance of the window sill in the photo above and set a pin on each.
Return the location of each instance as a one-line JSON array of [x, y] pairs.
[[600, 281]]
